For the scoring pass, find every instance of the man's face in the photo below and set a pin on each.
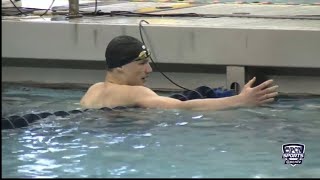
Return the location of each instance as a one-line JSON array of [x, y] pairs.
[[137, 71]]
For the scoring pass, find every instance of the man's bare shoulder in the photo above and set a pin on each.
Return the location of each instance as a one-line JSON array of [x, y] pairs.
[[109, 95], [91, 94], [119, 89], [141, 90], [126, 95], [132, 93], [94, 88]]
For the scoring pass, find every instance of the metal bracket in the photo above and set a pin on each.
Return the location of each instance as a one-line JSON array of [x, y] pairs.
[[235, 78]]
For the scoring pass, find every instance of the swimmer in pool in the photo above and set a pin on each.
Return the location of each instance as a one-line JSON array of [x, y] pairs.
[[128, 67]]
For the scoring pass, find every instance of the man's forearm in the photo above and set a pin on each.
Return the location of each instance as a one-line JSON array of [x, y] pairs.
[[213, 103]]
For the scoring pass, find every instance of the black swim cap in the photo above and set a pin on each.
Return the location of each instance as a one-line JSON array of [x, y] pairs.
[[124, 49]]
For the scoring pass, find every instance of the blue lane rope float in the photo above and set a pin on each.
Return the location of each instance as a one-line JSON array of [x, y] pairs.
[[201, 92], [15, 121]]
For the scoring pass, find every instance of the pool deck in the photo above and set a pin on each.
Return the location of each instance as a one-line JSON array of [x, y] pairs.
[[234, 36]]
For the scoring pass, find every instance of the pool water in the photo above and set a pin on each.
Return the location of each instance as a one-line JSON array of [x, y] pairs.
[[244, 142]]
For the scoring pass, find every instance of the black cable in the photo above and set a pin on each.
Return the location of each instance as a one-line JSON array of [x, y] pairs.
[[47, 9], [155, 65], [27, 15], [18, 8], [132, 14]]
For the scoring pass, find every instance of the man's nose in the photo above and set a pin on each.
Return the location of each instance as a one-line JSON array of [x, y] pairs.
[[148, 68]]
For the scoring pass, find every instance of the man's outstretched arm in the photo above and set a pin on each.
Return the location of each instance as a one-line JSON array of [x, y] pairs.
[[249, 96]]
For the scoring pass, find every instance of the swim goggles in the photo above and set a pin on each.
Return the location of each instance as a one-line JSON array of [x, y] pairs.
[[143, 55]]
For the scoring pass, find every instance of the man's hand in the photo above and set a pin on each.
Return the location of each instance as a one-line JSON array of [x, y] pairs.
[[263, 93]]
